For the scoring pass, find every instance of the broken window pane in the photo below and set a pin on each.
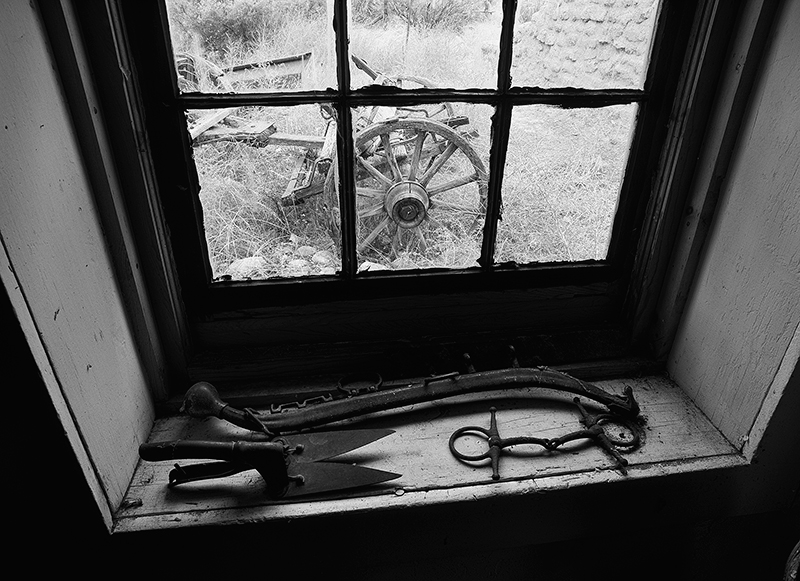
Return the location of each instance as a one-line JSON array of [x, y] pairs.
[[252, 45], [563, 174], [419, 43], [268, 211], [592, 44], [421, 185]]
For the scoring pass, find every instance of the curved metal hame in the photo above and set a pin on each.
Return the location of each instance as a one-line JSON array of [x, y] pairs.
[[202, 399]]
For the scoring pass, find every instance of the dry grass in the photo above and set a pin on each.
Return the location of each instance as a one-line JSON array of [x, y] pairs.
[[560, 187], [563, 173], [240, 193], [448, 58]]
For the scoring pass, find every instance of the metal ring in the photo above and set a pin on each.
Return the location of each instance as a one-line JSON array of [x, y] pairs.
[[620, 442], [470, 430]]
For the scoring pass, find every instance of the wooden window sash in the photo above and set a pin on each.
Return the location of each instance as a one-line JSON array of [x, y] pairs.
[[504, 98], [212, 308]]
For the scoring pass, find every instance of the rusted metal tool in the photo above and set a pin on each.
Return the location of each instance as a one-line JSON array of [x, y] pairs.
[[202, 399], [593, 430]]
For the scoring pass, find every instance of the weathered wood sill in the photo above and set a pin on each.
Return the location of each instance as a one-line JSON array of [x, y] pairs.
[[678, 439]]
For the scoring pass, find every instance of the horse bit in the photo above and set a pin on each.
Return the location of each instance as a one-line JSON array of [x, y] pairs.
[[593, 430]]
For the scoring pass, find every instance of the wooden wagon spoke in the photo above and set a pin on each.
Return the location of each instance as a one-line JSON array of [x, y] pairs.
[[423, 246], [396, 239], [372, 211], [452, 184], [370, 192], [438, 163], [374, 172], [374, 234], [415, 157], [379, 162], [390, 156]]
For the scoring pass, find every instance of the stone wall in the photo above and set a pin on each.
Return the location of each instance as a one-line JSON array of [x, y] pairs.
[[583, 43]]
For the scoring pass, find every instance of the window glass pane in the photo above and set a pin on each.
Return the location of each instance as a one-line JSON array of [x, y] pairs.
[[267, 211], [421, 185], [593, 44], [563, 173], [419, 43], [252, 45]]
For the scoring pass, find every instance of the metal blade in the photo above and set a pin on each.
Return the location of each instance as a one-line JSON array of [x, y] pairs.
[[327, 476], [323, 445]]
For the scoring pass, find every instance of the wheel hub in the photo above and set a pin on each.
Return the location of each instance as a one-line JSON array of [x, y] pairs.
[[407, 203]]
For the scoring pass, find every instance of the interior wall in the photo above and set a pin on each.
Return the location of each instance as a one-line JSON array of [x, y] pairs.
[[742, 313], [59, 275]]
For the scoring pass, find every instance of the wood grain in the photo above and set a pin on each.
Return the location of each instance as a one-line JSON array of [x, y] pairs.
[[51, 231]]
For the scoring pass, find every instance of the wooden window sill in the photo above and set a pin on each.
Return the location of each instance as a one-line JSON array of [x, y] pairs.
[[678, 438]]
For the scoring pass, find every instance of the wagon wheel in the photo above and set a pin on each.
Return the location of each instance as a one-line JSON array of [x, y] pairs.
[[419, 185]]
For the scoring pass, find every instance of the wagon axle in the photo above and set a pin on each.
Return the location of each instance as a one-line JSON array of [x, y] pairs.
[[407, 203]]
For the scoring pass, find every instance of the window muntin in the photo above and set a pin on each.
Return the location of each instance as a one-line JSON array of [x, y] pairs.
[[355, 229]]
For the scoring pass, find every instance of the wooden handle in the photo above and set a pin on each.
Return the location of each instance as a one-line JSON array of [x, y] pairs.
[[266, 457]]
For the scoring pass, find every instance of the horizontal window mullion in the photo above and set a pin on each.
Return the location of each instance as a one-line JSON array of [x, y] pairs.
[[564, 97], [219, 101], [357, 98], [575, 98], [388, 96]]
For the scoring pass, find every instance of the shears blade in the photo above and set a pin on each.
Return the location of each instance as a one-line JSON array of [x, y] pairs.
[[317, 446], [309, 473], [316, 477]]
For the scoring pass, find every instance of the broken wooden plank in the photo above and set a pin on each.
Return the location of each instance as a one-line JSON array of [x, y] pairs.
[[207, 122], [278, 67], [310, 141], [256, 133]]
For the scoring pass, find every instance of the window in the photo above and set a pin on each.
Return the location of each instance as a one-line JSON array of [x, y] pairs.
[[480, 208], [71, 290]]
